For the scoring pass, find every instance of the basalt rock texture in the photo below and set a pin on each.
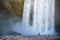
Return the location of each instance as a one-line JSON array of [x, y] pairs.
[[13, 7], [29, 37]]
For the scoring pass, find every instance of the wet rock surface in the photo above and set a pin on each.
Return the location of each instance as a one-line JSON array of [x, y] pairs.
[[29, 37]]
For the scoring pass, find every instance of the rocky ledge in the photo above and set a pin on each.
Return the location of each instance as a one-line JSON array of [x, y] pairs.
[[30, 37]]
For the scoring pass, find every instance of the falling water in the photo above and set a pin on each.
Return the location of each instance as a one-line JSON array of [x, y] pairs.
[[43, 18], [26, 12], [26, 27]]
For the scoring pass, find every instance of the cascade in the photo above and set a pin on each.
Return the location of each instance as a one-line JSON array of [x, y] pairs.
[[43, 17]]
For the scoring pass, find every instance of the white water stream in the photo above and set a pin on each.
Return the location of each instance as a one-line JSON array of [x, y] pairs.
[[43, 18]]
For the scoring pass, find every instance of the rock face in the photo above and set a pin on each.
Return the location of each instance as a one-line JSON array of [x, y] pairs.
[[14, 7], [14, 33], [57, 16], [6, 24], [29, 37], [10, 33]]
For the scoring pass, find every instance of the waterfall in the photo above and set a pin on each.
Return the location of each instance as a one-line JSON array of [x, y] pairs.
[[27, 29], [26, 12], [43, 18]]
